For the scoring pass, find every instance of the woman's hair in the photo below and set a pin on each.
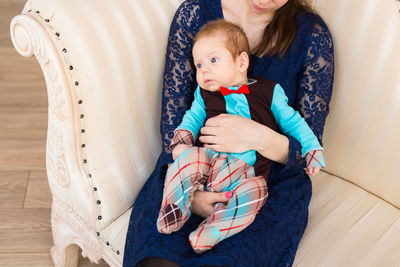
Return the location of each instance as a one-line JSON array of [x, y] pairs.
[[281, 31], [235, 39]]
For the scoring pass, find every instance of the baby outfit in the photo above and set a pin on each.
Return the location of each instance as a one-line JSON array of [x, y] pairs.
[[243, 174]]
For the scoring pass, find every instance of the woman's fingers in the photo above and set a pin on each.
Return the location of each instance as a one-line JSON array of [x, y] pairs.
[[202, 204], [216, 121], [209, 130], [232, 133], [204, 201], [220, 197], [208, 139]]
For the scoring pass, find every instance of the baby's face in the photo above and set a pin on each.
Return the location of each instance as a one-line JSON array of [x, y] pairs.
[[214, 64]]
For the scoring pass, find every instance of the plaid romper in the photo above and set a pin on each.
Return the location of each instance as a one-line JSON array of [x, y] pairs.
[[243, 174]]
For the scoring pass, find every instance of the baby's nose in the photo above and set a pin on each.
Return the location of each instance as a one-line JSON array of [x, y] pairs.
[[205, 69]]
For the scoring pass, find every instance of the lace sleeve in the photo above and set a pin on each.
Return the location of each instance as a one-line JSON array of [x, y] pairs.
[[315, 87], [178, 86]]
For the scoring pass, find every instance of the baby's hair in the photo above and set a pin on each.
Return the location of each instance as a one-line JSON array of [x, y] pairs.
[[235, 39]]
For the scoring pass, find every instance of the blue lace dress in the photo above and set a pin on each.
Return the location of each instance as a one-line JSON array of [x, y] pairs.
[[306, 74]]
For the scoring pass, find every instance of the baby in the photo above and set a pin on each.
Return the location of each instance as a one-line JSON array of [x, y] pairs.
[[221, 56]]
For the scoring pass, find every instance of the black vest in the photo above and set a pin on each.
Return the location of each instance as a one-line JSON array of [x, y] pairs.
[[259, 99]]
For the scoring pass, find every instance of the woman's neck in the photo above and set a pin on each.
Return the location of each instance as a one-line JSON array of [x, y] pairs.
[[253, 24]]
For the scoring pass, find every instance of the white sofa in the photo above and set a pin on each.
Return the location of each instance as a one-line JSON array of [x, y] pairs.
[[103, 61]]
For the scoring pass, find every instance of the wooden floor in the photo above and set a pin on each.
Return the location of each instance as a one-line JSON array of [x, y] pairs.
[[25, 198]]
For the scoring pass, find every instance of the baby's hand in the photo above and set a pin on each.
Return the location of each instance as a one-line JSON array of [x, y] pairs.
[[178, 149], [313, 170]]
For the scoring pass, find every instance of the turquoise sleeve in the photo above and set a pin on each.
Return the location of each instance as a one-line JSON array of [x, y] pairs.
[[194, 117], [292, 123]]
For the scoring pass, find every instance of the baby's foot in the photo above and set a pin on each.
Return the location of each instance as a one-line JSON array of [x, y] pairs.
[[170, 219], [204, 238]]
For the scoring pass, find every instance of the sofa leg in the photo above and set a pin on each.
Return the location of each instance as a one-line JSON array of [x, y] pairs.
[[65, 256]]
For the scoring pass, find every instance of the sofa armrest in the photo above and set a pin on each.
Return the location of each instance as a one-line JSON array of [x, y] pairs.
[[73, 207], [103, 63]]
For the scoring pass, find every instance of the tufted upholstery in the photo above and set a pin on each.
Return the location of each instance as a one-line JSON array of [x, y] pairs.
[[117, 58], [103, 63]]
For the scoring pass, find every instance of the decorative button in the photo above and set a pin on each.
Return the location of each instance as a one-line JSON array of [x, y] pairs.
[[84, 161], [82, 116], [47, 20], [71, 68], [57, 34], [83, 130], [99, 217], [64, 50], [37, 12], [90, 176], [80, 102], [98, 202], [76, 83], [108, 243], [118, 252], [95, 188], [98, 233], [83, 145]]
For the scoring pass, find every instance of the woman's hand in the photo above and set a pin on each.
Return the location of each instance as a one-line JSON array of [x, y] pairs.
[[237, 134], [204, 201], [229, 133]]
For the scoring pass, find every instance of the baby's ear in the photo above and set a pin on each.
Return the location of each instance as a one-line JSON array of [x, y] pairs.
[[243, 61]]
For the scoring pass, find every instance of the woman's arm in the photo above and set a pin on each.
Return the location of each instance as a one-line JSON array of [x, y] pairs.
[[272, 145], [178, 86], [316, 80], [236, 134], [315, 86]]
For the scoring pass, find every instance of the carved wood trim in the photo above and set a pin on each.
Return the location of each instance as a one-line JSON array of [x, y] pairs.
[[65, 160]]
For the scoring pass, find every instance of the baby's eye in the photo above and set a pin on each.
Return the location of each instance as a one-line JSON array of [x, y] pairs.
[[199, 66], [213, 60]]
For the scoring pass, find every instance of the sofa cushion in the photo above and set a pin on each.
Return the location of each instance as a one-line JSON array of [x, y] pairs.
[[348, 226]]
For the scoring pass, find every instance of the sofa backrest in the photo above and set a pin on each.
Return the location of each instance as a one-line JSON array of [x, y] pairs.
[[362, 133]]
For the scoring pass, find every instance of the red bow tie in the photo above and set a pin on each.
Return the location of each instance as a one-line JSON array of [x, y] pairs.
[[242, 90]]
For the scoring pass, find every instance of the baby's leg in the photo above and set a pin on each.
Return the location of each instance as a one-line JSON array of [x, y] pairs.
[[226, 171], [185, 173], [248, 197]]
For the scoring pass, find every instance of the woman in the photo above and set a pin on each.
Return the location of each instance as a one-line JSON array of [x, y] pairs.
[[291, 46]]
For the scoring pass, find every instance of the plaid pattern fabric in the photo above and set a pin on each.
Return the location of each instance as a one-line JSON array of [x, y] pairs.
[[199, 167], [187, 171], [249, 195], [315, 159], [181, 136]]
